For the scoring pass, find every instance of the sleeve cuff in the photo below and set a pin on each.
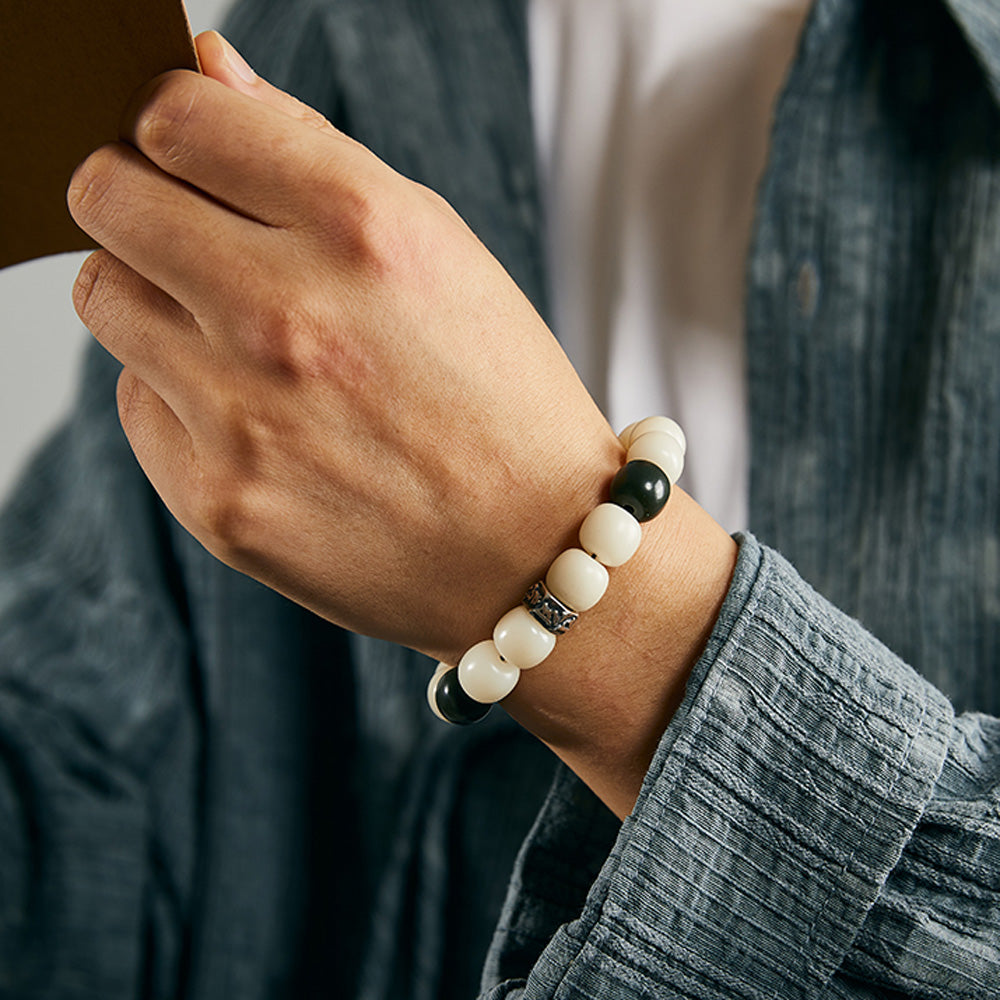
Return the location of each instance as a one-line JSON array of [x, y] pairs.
[[779, 800]]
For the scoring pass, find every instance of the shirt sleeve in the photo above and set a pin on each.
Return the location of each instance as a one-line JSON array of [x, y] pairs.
[[98, 726], [815, 823]]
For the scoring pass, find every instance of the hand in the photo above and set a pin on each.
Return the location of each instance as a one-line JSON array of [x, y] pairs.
[[327, 378], [337, 390]]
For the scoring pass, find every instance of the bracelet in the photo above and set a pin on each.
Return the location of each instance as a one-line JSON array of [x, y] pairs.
[[575, 582]]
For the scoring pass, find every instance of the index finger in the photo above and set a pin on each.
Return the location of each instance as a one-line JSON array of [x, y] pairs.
[[242, 152]]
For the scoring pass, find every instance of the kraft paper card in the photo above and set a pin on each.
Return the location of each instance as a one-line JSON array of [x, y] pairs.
[[67, 71]]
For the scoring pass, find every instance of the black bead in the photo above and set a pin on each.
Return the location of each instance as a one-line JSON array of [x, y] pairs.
[[642, 488], [455, 705]]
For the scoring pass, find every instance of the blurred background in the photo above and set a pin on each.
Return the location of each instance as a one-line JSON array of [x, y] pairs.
[[41, 339]]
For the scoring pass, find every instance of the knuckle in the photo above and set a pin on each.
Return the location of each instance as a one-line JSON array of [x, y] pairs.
[[433, 198], [91, 183], [161, 123], [225, 512], [352, 222], [85, 289], [97, 293], [128, 393], [310, 116], [284, 340], [223, 516], [224, 493], [360, 213]]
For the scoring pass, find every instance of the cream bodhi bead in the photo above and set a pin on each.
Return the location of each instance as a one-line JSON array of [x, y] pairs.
[[522, 640], [662, 450], [576, 579], [659, 425], [626, 435], [484, 676], [610, 534]]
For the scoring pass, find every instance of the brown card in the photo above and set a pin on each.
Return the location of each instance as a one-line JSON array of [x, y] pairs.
[[67, 72]]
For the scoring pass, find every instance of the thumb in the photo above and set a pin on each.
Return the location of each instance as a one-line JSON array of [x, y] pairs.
[[222, 62]]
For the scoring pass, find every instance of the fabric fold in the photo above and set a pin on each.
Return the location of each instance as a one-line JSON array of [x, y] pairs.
[[780, 800]]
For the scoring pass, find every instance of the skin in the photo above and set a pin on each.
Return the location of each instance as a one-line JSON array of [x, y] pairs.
[[338, 391]]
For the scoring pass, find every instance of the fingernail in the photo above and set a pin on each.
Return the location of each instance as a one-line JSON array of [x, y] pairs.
[[237, 63]]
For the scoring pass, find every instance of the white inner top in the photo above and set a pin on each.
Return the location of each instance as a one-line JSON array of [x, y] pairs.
[[652, 121]]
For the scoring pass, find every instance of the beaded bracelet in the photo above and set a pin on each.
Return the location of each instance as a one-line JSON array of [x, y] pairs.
[[575, 582]]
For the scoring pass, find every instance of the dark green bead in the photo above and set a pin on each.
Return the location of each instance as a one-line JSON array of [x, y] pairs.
[[455, 705], [642, 488]]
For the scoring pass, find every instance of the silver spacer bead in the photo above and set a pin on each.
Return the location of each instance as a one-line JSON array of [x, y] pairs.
[[549, 611]]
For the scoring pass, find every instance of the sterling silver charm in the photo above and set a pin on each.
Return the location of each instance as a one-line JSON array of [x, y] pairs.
[[549, 611]]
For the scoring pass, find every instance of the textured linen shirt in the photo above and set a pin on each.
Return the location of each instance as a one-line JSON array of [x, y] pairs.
[[205, 792]]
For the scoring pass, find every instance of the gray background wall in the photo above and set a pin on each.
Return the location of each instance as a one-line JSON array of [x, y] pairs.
[[40, 337]]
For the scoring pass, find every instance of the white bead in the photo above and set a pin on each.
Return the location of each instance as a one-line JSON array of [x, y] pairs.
[[576, 579], [610, 534], [522, 640], [442, 668], [626, 435], [484, 676], [661, 449], [661, 425]]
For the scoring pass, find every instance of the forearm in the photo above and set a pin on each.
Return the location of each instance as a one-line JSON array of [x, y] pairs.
[[604, 697]]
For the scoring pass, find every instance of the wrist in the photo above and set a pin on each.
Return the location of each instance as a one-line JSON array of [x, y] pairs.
[[604, 697], [608, 688], [521, 540]]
